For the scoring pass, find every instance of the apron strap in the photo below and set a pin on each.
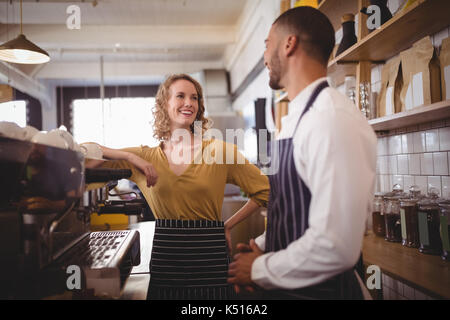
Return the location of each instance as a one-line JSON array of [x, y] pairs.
[[311, 100]]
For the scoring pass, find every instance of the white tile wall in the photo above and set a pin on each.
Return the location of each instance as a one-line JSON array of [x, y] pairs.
[[426, 164], [444, 138], [383, 165], [393, 167], [420, 157], [402, 163], [419, 142], [414, 163], [394, 289], [382, 147], [440, 163], [395, 145], [408, 292], [432, 140], [438, 37], [422, 182], [407, 143]]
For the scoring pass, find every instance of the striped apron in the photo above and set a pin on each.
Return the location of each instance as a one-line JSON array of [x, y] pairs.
[[189, 261], [287, 221]]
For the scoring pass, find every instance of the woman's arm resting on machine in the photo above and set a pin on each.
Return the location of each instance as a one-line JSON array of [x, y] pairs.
[[114, 154]]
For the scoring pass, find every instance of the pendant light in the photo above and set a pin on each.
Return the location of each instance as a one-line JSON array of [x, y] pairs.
[[21, 50]]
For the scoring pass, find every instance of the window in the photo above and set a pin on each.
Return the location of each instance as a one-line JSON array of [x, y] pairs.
[[14, 111], [117, 123]]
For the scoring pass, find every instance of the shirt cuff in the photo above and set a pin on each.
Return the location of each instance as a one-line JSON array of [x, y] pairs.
[[259, 272], [261, 242]]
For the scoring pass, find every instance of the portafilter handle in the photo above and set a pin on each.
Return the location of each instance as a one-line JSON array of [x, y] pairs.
[[125, 208], [93, 175]]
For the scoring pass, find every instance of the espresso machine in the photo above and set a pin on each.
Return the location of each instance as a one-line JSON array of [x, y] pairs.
[[46, 247]]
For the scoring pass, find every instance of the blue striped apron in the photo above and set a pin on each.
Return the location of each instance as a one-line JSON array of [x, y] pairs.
[[287, 221]]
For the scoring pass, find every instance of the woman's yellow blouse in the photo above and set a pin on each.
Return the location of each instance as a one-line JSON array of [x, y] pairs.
[[198, 192]]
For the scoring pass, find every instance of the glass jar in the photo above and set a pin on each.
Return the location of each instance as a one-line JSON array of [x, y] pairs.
[[392, 219], [397, 190], [429, 224], [414, 192], [378, 224], [445, 229], [409, 222]]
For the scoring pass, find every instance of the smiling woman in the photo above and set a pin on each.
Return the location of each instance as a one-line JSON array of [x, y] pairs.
[[171, 112], [190, 254]]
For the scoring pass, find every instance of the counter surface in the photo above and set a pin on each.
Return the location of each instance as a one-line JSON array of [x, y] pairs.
[[136, 285], [428, 273]]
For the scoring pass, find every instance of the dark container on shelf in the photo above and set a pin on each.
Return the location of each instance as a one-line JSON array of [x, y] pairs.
[[409, 217], [444, 208], [348, 30], [409, 222], [392, 219], [378, 223], [429, 225]]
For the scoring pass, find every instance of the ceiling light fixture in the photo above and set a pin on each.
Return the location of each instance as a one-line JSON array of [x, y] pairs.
[[21, 50]]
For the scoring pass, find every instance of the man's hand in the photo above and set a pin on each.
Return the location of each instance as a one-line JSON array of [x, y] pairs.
[[239, 271]]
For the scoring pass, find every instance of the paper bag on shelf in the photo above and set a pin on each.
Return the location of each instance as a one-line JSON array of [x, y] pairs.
[[6, 93], [391, 84], [421, 75], [444, 60]]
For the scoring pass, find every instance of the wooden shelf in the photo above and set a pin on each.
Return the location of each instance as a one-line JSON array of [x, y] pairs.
[[422, 18], [428, 273], [434, 112], [335, 9]]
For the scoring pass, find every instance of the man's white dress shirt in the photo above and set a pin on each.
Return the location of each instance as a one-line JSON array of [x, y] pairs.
[[335, 155]]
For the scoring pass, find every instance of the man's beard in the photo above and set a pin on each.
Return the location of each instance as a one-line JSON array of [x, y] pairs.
[[275, 66]]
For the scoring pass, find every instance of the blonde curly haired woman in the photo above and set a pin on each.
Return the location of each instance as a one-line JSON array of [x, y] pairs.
[[185, 191]]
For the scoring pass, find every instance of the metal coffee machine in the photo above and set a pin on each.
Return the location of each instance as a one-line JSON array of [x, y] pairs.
[[46, 246]]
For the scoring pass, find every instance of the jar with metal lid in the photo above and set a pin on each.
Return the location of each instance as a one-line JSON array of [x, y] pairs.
[[444, 208], [429, 224], [378, 224], [409, 217], [392, 219], [415, 193], [397, 190], [409, 222]]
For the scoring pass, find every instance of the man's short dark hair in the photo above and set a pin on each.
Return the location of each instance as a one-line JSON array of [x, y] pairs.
[[313, 30]]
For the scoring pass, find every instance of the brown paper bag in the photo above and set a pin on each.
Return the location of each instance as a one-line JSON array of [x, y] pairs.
[[391, 84], [421, 75], [444, 60], [6, 93]]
